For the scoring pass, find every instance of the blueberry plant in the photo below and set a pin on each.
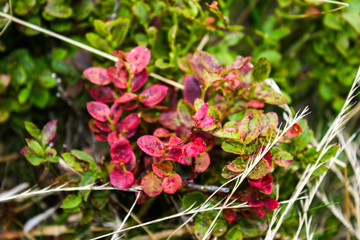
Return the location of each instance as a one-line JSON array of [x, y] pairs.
[[163, 142]]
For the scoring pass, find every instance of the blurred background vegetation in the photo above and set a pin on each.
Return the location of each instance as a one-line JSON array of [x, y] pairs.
[[314, 59]]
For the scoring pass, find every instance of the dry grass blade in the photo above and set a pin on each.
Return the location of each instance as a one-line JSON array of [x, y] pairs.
[[334, 129]]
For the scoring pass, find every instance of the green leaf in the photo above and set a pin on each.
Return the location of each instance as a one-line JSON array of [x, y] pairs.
[[32, 129], [250, 128], [99, 199], [120, 29], [87, 179], [332, 21], [234, 233], [23, 7], [261, 70], [34, 159], [4, 115], [228, 133], [46, 80], [141, 10], [193, 199], [71, 201], [202, 224], [238, 147], [58, 9], [35, 146], [24, 95], [185, 111], [253, 228], [71, 160], [101, 28], [270, 96], [260, 170], [98, 42], [220, 227], [84, 157], [353, 18], [331, 152], [40, 97]]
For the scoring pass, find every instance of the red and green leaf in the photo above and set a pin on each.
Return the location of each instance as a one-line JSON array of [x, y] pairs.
[[48, 132], [120, 77], [172, 183], [202, 162], [162, 169], [151, 185], [250, 128]]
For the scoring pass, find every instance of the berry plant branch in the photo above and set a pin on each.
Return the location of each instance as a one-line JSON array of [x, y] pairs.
[[83, 46]]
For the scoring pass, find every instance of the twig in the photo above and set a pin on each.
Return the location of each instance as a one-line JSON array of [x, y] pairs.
[[9, 157], [209, 188], [203, 42]]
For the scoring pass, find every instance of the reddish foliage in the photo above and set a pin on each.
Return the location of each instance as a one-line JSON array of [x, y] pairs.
[[98, 110], [151, 145]]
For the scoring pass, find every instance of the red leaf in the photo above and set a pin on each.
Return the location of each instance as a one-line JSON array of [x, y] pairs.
[[103, 94], [171, 184], [132, 163], [192, 89], [48, 132], [102, 136], [162, 169], [120, 77], [113, 137], [97, 75], [294, 130], [267, 189], [270, 203], [201, 113], [131, 121], [121, 180], [202, 162], [262, 181], [115, 112], [130, 105], [151, 184], [199, 144], [174, 153], [98, 110], [153, 95], [255, 104], [161, 133], [103, 126], [126, 97], [167, 119], [230, 215], [253, 198], [120, 152], [191, 150], [174, 141], [151, 145], [93, 127], [138, 58], [206, 122], [139, 80]]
